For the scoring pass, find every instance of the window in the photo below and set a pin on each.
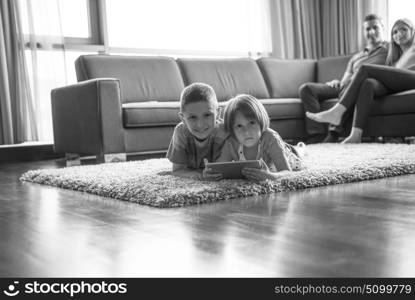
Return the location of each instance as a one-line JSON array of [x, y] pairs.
[[137, 27], [399, 9], [48, 25], [188, 26]]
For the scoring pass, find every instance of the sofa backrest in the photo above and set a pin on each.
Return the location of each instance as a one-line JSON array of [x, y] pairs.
[[285, 76], [141, 78], [228, 77], [330, 68]]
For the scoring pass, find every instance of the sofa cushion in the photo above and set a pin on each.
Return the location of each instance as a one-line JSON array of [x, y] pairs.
[[141, 78], [330, 68], [284, 108], [228, 77], [152, 114], [400, 103], [284, 76]]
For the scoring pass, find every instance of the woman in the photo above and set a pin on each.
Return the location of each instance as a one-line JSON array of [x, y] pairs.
[[374, 80]]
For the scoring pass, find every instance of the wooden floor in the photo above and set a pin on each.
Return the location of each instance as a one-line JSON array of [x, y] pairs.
[[352, 230]]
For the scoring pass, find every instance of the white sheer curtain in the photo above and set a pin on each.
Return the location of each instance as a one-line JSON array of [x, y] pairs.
[[18, 121], [319, 28], [45, 56]]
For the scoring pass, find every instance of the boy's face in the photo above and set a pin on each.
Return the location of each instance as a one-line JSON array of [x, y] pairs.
[[247, 131], [200, 118]]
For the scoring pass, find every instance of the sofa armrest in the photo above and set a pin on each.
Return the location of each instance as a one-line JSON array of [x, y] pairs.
[[87, 117]]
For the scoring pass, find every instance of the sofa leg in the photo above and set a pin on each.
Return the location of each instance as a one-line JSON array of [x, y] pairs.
[[72, 159], [113, 157]]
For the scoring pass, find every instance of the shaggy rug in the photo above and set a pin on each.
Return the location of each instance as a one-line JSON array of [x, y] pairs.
[[150, 182]]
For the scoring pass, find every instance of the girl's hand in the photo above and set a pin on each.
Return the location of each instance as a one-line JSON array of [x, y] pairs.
[[257, 174], [261, 174], [208, 174]]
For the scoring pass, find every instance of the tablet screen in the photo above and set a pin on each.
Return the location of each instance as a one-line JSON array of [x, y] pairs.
[[233, 169]]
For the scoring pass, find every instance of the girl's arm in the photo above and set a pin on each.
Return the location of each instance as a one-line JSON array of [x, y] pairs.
[[274, 147], [262, 174]]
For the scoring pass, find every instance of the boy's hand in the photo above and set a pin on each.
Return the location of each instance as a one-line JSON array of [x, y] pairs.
[[208, 174]]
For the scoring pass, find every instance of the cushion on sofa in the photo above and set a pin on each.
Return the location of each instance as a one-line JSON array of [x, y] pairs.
[[284, 108], [284, 76], [228, 77], [330, 68], [141, 78], [400, 103]]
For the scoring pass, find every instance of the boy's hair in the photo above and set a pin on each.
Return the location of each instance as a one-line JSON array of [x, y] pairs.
[[371, 17], [249, 107], [197, 92]]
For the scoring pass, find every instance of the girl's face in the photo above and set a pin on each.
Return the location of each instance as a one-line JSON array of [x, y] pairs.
[[401, 34], [200, 118], [247, 131]]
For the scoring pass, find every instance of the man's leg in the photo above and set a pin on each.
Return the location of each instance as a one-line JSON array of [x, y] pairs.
[[311, 94]]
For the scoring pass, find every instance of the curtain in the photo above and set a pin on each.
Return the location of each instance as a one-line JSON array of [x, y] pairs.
[[343, 32], [295, 28], [45, 56], [320, 28], [18, 122]]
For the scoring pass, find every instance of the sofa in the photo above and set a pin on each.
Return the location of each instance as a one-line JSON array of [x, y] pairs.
[[130, 104]]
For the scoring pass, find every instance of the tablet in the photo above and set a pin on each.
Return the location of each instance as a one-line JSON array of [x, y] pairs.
[[232, 169]]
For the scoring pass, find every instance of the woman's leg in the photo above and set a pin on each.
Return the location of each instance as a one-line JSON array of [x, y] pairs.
[[334, 115], [392, 78], [369, 89]]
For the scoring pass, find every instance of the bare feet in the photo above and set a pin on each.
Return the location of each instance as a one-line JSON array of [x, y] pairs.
[[355, 136], [332, 116], [324, 117]]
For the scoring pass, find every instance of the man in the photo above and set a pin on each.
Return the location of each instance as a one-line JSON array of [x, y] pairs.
[[312, 94]]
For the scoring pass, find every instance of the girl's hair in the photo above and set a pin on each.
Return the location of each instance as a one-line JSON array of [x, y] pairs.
[[249, 107], [395, 51]]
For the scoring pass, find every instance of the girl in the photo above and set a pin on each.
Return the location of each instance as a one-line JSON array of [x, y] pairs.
[[251, 139], [374, 81]]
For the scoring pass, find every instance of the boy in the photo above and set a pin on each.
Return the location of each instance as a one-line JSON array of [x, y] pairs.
[[199, 136]]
